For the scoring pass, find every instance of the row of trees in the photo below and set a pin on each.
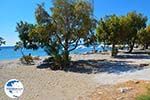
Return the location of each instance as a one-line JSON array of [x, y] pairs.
[[71, 21], [123, 30]]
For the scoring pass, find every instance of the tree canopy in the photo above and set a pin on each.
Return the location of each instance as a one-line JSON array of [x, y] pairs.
[[136, 21], [109, 31], [144, 37], [59, 31], [117, 30], [23, 28]]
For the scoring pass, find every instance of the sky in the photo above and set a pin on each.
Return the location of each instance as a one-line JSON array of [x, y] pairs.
[[13, 11]]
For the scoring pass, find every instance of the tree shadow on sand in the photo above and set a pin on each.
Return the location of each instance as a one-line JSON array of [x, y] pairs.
[[133, 56], [98, 66]]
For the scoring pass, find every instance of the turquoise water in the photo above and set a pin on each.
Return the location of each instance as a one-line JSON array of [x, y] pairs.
[[8, 53]]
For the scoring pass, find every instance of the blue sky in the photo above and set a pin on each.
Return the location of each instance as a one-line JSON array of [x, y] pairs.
[[13, 11]]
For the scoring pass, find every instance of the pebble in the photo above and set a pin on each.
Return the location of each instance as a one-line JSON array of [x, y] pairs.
[[100, 92], [136, 82], [125, 89]]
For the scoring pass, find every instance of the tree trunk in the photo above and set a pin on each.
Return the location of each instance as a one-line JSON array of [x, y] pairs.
[[94, 48], [104, 46], [24, 57], [146, 46], [66, 59], [131, 46], [113, 50]]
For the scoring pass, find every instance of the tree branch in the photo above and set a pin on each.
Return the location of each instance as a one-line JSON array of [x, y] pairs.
[[59, 40], [75, 45]]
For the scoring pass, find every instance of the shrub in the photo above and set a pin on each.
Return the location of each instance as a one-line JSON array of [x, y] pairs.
[[27, 60]]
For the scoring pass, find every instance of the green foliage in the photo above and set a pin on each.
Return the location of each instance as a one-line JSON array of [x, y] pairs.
[[60, 31], [120, 30], [27, 60], [136, 21], [23, 28], [144, 37], [109, 31], [19, 46], [2, 41]]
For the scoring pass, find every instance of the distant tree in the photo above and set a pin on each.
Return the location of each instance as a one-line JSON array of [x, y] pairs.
[[135, 22], [109, 31], [144, 37], [120, 29], [2, 41], [60, 32], [102, 33]]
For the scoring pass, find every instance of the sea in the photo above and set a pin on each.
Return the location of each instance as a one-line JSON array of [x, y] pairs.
[[8, 52]]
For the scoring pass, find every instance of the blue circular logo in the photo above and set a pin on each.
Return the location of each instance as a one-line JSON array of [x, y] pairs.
[[13, 88]]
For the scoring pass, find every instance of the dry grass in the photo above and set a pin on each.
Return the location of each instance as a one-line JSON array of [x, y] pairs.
[[109, 92]]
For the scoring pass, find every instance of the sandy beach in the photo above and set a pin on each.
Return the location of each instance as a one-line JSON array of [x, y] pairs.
[[91, 71]]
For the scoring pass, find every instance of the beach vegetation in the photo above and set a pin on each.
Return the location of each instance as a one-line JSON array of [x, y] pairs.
[[120, 30], [19, 46], [25, 59], [144, 37], [60, 31], [109, 31], [23, 28], [135, 22]]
